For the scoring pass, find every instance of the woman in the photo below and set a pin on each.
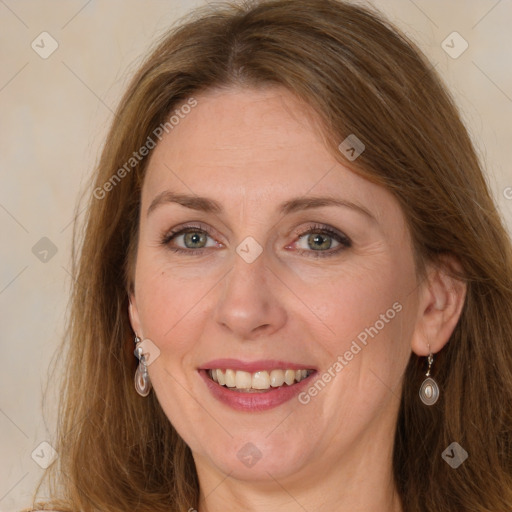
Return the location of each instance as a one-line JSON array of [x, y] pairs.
[[290, 229]]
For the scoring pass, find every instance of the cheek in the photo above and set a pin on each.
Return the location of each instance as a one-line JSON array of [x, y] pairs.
[[167, 308], [166, 293], [369, 311], [352, 299]]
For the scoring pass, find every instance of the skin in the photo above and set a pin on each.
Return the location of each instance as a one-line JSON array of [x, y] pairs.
[[251, 150]]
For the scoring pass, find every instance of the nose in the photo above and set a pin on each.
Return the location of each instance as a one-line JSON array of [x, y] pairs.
[[251, 302]]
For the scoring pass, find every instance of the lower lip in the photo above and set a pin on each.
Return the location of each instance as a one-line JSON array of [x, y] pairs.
[[254, 402]]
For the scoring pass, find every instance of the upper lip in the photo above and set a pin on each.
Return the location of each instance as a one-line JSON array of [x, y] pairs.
[[253, 366]]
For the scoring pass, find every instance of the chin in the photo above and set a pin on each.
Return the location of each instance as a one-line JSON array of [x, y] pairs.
[[258, 457]]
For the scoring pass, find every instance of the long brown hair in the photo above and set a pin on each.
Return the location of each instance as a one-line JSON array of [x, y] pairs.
[[119, 452]]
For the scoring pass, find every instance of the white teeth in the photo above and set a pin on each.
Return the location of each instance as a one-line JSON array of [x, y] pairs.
[[230, 378], [276, 378], [261, 380], [243, 380], [220, 378], [289, 377]]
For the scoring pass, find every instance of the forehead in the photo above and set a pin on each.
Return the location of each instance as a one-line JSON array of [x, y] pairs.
[[264, 146], [243, 130]]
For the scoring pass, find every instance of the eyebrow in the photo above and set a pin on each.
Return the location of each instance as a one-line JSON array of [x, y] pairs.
[[208, 205]]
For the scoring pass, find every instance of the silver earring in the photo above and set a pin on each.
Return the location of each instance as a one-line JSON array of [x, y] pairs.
[[142, 381], [429, 390]]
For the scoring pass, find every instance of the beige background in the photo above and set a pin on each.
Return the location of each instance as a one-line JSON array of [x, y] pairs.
[[54, 115]]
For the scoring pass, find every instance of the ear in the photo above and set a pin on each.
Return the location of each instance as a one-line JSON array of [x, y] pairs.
[[441, 299], [134, 315]]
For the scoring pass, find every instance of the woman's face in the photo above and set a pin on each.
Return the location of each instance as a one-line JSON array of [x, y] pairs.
[[268, 279]]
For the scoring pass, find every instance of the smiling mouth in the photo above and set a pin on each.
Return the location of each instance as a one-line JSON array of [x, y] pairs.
[[257, 382]]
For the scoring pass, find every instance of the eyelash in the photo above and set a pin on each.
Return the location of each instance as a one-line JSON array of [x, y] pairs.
[[344, 241]]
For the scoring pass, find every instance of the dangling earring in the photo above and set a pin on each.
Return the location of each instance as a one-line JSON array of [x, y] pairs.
[[429, 390], [142, 382]]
